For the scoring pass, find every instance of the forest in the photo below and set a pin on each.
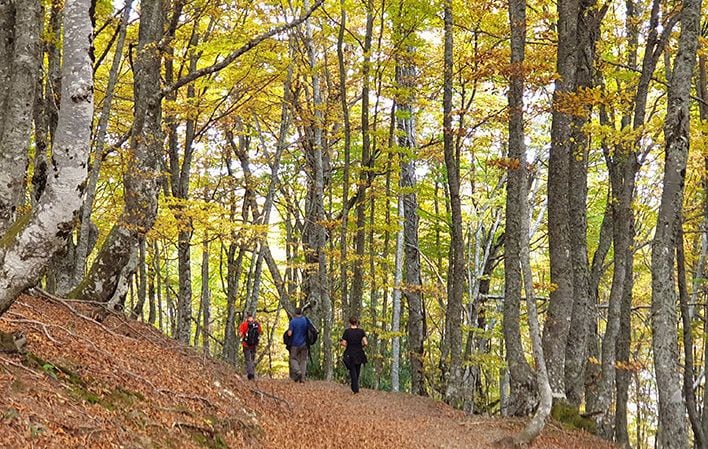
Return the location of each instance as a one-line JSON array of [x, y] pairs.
[[511, 196]]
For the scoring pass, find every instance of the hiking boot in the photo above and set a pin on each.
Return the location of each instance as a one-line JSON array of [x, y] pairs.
[[251, 376]]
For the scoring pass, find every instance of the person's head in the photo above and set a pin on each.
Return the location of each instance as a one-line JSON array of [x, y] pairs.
[[249, 317], [354, 321], [298, 311]]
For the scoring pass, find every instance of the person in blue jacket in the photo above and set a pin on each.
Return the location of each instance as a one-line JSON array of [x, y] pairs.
[[299, 351]]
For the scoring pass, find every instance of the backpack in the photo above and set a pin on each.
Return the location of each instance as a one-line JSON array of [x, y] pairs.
[[287, 340], [312, 333], [252, 334]]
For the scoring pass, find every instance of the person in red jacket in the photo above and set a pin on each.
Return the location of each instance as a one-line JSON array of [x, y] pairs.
[[250, 331]]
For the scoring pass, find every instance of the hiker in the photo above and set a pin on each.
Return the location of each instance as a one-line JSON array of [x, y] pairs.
[[299, 349], [354, 342], [250, 331]]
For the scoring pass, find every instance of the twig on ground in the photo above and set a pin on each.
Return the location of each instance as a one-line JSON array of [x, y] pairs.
[[262, 393], [28, 321], [187, 396], [187, 425], [63, 302], [10, 362]]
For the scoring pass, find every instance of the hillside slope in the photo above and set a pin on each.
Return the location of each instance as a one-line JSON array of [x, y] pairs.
[[122, 384]]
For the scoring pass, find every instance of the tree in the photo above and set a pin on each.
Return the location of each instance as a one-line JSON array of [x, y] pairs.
[[522, 384], [32, 240], [672, 425], [142, 180], [555, 331], [456, 273]]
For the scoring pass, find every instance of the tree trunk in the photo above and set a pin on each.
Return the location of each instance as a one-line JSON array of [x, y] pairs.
[[365, 172], [142, 181], [624, 340], [17, 104], [672, 426], [408, 211], [206, 298], [343, 271], [32, 241], [316, 282], [456, 274], [137, 311], [152, 274], [396, 302], [84, 245], [589, 20], [558, 319], [521, 379]]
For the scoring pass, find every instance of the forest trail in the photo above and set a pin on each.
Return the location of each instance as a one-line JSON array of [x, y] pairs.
[[122, 384]]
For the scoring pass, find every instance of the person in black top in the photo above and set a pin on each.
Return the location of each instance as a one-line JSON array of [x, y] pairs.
[[354, 342]]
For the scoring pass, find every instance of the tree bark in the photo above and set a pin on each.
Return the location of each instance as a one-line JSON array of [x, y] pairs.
[[142, 181], [589, 20], [17, 104], [83, 243], [316, 282], [343, 244], [558, 319], [521, 379], [365, 170], [27, 248], [672, 426], [456, 270]]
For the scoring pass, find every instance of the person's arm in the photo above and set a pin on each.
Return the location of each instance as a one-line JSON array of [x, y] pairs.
[[364, 341], [343, 340], [290, 329]]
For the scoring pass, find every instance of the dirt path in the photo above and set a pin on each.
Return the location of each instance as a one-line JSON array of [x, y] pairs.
[[327, 415]]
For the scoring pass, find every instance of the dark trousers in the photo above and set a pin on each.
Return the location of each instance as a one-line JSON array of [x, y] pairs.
[[298, 362], [249, 353], [354, 371]]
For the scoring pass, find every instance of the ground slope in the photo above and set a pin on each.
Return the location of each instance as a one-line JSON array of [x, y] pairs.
[[121, 384]]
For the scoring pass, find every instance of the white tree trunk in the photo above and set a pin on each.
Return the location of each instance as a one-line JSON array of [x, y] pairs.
[[396, 315], [28, 246]]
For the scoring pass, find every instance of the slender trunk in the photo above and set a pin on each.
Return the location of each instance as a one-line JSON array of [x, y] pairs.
[[672, 426], [142, 181], [314, 236], [396, 300], [152, 292], [589, 20], [343, 276], [624, 339], [206, 298], [687, 334], [522, 385], [365, 172], [558, 318], [17, 107], [137, 311], [84, 243], [456, 275]]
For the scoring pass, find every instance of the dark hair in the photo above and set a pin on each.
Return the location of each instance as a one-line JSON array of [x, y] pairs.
[[354, 320], [298, 311]]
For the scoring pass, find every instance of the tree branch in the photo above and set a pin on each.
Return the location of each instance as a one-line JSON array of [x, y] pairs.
[[240, 51]]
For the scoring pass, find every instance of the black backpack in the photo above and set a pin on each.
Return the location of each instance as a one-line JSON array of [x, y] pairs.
[[252, 334], [312, 333]]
